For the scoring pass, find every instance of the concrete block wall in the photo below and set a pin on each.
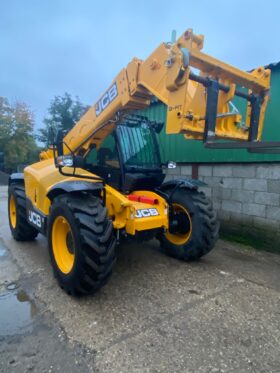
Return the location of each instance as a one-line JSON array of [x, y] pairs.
[[246, 197]]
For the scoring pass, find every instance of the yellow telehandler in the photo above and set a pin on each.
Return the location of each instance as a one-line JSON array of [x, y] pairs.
[[104, 180]]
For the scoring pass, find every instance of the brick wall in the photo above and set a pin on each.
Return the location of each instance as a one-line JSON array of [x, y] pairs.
[[246, 197]]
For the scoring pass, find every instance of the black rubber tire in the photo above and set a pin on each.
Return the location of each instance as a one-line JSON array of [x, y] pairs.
[[23, 231], [94, 243], [205, 227]]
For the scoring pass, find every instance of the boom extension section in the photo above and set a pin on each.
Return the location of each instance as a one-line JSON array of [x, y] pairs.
[[198, 91]]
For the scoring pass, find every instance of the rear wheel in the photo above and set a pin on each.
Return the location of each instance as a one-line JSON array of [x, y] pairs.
[[20, 228], [193, 227], [81, 243]]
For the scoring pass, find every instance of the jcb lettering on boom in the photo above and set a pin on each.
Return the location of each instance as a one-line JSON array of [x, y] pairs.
[[106, 99]]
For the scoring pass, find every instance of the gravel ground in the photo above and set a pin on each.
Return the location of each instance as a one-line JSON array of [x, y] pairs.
[[156, 314]]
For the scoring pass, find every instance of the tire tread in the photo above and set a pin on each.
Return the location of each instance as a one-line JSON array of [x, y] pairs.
[[204, 236], [97, 243], [23, 231]]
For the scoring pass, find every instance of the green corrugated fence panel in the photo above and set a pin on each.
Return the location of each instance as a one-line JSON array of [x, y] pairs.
[[177, 148]]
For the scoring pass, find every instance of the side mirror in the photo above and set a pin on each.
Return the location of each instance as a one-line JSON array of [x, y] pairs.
[[171, 164], [69, 160], [50, 137], [59, 142]]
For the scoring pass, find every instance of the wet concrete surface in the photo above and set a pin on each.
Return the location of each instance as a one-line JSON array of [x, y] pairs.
[[30, 338], [17, 311], [221, 314]]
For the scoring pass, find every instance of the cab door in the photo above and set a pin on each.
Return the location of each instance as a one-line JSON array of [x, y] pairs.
[[105, 162]]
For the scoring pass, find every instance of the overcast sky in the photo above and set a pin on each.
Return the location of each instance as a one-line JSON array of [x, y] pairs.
[[49, 47]]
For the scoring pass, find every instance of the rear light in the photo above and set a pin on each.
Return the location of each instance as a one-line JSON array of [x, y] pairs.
[[143, 199]]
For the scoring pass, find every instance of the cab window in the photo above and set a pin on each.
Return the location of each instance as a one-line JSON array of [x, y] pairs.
[[106, 155]]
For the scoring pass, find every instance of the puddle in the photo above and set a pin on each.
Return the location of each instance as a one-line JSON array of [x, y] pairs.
[[16, 313], [11, 286]]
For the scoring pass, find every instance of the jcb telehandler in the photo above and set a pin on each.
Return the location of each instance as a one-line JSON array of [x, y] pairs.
[[104, 180]]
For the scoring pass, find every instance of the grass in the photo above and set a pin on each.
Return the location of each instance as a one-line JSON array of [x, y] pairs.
[[250, 242]]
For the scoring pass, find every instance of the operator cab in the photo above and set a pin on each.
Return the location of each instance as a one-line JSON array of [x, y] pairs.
[[129, 158]]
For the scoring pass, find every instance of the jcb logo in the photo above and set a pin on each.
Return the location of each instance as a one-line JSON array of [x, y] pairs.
[[35, 218], [145, 213], [106, 99]]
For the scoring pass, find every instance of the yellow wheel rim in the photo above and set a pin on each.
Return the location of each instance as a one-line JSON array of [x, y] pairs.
[[180, 238], [63, 244], [13, 211]]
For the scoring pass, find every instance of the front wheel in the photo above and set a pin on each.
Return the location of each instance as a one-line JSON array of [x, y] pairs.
[[81, 243], [193, 226]]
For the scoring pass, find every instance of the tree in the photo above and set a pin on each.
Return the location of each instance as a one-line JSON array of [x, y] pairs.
[[64, 112], [16, 134]]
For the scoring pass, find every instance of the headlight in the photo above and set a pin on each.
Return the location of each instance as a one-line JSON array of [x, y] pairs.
[[65, 161]]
